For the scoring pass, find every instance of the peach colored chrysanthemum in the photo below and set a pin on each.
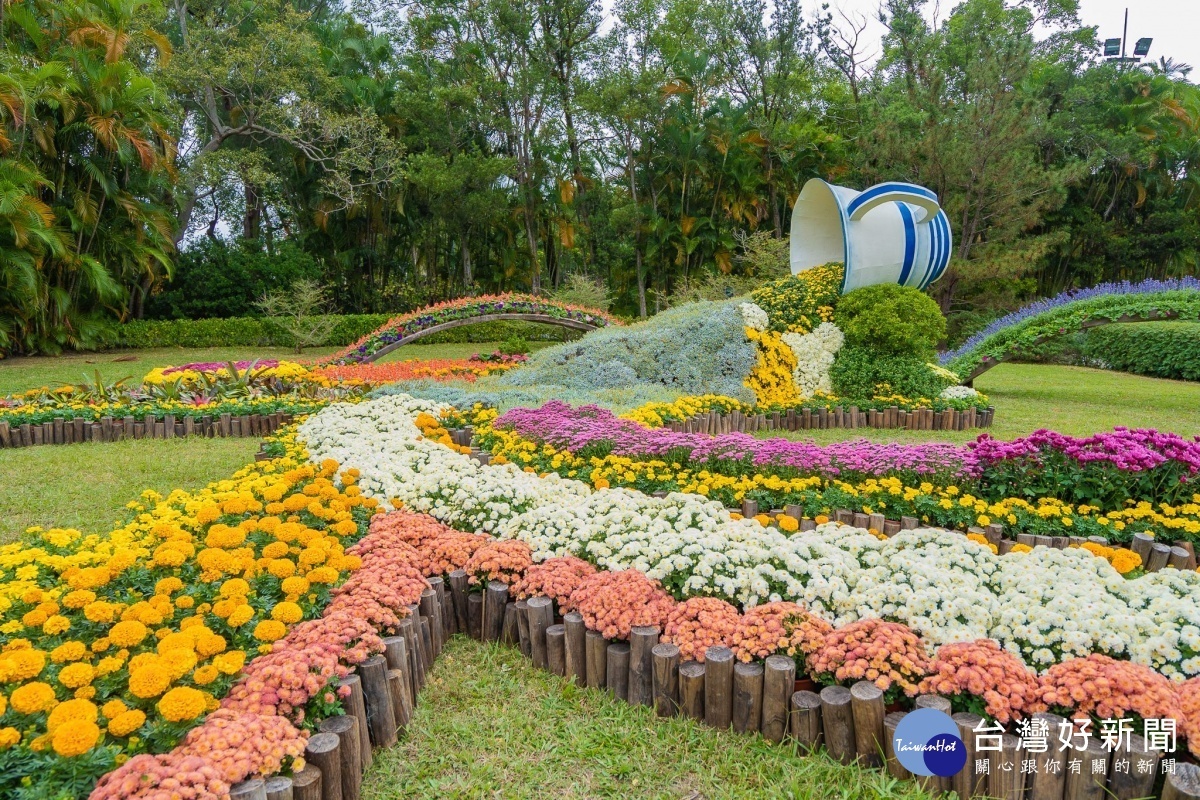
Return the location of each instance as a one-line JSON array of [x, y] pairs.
[[1109, 689], [983, 669], [888, 654], [555, 578], [504, 561], [614, 602], [782, 627], [699, 623]]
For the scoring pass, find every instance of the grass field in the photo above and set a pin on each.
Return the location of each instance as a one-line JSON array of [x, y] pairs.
[[20, 374], [491, 725]]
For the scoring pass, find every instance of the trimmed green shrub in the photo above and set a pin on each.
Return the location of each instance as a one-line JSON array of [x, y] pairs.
[[889, 319], [1158, 349], [862, 374], [216, 279]]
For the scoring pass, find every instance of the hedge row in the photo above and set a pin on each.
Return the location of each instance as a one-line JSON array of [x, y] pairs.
[[1157, 349], [255, 332]]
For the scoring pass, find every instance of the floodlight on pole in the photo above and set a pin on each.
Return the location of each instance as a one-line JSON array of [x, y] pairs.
[[1142, 48], [1112, 47]]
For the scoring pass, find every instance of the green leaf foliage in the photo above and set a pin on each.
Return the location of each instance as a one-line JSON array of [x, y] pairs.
[[891, 320], [1157, 349]]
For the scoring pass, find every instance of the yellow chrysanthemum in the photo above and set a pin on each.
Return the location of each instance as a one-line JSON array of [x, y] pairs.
[[182, 704], [75, 738]]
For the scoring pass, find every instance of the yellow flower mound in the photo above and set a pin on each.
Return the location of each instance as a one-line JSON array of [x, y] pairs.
[[73, 676], [655, 415], [21, 665], [9, 737], [771, 379], [287, 613], [269, 630], [149, 681], [71, 711], [181, 704], [75, 738], [128, 633]]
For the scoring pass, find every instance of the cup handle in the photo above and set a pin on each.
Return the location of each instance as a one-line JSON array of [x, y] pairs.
[[895, 191]]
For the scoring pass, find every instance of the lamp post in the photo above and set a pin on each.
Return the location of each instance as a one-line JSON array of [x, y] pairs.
[[1114, 49]]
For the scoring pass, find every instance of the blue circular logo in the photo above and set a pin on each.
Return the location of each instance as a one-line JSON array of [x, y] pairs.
[[927, 743]]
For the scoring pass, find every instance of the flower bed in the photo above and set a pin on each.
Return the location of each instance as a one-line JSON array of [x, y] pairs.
[[1111, 485], [405, 325], [438, 369], [1048, 605], [114, 646]]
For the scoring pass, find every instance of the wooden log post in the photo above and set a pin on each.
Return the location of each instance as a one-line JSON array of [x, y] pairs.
[[779, 680], [691, 690], [416, 668], [597, 659], [1183, 784], [804, 720], [475, 616], [252, 789], [306, 784], [618, 670], [969, 783], [356, 707], [576, 648], [381, 719], [837, 723], [427, 641], [1088, 783], [935, 783], [401, 705], [718, 687], [278, 787], [1141, 544], [523, 645], [429, 612], [747, 697], [445, 611], [541, 617], [893, 765], [867, 708], [324, 751], [642, 639], [556, 649], [351, 773], [509, 634], [1048, 778], [1006, 780], [495, 598], [665, 658], [1160, 554], [458, 599], [1180, 558], [1133, 770]]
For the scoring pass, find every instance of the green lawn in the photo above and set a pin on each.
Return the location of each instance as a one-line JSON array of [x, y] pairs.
[[491, 725], [1073, 400], [86, 486], [20, 374]]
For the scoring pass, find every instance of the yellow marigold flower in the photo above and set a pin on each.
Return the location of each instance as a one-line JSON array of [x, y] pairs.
[[70, 651], [1020, 548], [75, 738], [128, 633], [295, 585], [169, 585], [126, 722], [275, 550], [76, 675], [30, 698], [185, 601], [282, 568], [88, 577], [113, 708], [71, 711], [787, 523], [240, 616], [287, 613], [323, 575], [206, 674], [230, 663], [9, 737], [235, 587], [85, 693], [181, 704], [109, 665], [100, 611], [209, 645], [168, 555], [21, 665], [269, 630], [34, 618], [78, 598], [149, 681]]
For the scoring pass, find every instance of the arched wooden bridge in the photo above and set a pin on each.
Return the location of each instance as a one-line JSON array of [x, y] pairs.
[[988, 361], [544, 319]]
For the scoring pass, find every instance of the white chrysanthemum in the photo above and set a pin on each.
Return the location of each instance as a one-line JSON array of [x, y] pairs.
[[814, 354], [754, 316], [958, 393]]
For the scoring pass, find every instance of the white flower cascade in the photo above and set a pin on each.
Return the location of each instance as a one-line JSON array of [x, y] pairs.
[[754, 316], [1046, 606], [815, 353]]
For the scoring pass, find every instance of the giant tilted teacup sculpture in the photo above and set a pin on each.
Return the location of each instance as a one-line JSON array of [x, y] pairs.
[[890, 233]]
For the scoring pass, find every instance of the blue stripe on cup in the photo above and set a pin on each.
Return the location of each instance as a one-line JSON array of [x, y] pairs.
[[910, 242]]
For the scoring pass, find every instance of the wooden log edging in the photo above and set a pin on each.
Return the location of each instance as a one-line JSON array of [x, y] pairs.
[[61, 430], [749, 698], [715, 423]]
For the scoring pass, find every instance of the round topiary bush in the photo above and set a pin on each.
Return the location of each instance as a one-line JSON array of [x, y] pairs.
[[889, 319]]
